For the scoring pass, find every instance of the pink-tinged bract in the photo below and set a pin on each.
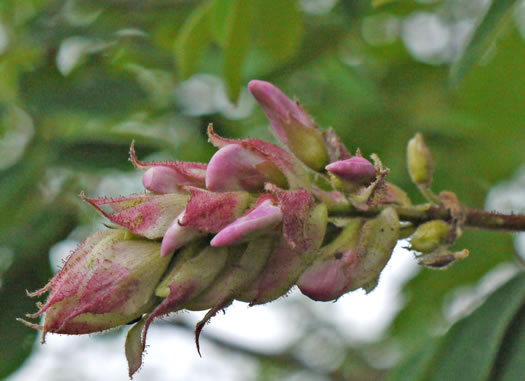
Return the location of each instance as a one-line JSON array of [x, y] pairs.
[[206, 212], [147, 215], [107, 282]]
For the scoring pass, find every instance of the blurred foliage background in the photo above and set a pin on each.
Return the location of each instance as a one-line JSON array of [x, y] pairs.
[[80, 79]]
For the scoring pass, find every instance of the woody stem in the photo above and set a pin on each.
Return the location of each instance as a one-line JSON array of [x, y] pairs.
[[473, 218]]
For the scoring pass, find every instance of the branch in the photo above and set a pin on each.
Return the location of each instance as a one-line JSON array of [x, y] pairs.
[[473, 218]]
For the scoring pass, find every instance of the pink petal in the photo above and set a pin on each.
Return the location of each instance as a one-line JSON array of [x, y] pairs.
[[278, 107], [356, 170], [235, 168], [177, 236], [264, 217], [291, 168], [183, 173], [163, 180], [324, 282], [292, 125]]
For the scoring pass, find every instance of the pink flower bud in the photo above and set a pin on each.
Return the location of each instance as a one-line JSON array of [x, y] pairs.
[[145, 214], [169, 176], [107, 282], [292, 125], [206, 212], [266, 216], [326, 278], [235, 168], [292, 169], [177, 236], [356, 170], [354, 259]]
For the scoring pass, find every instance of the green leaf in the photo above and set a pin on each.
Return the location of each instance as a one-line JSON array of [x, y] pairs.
[[414, 366], [469, 349], [237, 42], [220, 10], [470, 346], [193, 39], [279, 27], [29, 271], [509, 365], [484, 34]]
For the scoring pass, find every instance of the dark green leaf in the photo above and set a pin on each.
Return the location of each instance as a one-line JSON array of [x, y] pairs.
[[510, 364], [469, 349], [484, 34], [414, 366]]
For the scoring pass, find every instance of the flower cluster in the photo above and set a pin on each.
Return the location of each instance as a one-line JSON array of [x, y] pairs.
[[247, 226]]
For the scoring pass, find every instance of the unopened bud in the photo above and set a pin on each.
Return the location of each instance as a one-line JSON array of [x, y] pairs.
[[178, 235], [169, 176], [106, 282], [354, 260], [254, 158], [430, 235], [356, 170], [325, 279], [235, 168], [264, 217], [292, 125], [441, 259], [419, 160]]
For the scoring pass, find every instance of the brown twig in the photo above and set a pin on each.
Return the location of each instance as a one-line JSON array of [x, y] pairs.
[[473, 218]]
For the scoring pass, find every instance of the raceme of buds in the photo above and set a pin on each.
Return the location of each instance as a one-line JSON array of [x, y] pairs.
[[292, 125], [247, 226], [419, 160]]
